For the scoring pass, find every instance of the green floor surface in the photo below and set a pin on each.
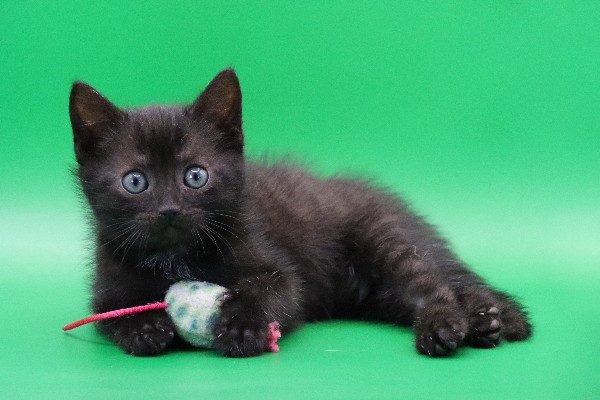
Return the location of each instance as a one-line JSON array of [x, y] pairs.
[[338, 359]]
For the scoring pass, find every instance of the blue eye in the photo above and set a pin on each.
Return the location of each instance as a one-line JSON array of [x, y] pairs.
[[134, 182], [195, 177]]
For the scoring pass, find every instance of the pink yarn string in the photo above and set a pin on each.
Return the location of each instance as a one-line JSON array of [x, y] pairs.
[[116, 313]]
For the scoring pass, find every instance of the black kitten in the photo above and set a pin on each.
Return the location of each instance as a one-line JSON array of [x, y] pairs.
[[174, 198]]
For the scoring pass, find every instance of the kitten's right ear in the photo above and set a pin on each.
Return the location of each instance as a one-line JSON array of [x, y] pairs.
[[221, 104], [92, 118]]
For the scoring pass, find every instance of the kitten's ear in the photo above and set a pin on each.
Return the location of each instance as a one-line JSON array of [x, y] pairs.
[[221, 104], [92, 119]]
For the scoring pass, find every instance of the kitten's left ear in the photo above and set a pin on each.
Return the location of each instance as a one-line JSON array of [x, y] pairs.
[[93, 118], [221, 104]]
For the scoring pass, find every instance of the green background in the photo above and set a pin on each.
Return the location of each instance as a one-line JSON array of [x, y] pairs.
[[484, 114]]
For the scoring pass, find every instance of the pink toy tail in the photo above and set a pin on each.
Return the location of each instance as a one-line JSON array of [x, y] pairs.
[[273, 336], [115, 313]]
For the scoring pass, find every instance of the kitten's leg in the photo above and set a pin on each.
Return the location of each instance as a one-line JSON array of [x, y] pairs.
[[447, 304], [412, 290], [493, 315], [248, 308]]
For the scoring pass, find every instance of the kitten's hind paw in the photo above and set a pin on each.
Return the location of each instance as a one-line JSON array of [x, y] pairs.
[[485, 327], [441, 337], [515, 324]]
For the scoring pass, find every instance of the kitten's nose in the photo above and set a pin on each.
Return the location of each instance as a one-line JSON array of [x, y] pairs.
[[169, 212]]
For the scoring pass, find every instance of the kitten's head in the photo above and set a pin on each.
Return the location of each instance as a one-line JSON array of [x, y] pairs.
[[161, 180]]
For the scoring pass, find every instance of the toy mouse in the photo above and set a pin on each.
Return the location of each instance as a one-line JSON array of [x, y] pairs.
[[193, 306]]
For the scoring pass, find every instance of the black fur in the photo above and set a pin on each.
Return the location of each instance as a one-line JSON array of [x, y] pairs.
[[288, 246]]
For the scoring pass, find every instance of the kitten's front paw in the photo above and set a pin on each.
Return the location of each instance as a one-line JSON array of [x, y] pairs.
[[239, 331], [146, 336], [441, 335]]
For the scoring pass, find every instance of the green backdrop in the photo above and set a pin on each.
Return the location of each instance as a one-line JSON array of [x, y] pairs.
[[484, 114]]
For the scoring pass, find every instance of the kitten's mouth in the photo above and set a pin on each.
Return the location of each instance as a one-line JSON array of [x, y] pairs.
[[172, 232], [169, 235]]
